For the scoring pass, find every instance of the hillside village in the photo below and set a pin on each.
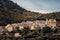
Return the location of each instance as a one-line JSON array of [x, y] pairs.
[[38, 24]]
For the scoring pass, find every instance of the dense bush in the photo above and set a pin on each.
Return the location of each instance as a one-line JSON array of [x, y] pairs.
[[27, 34], [46, 29]]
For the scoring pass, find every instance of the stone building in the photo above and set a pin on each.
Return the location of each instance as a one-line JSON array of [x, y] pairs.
[[9, 28], [51, 23]]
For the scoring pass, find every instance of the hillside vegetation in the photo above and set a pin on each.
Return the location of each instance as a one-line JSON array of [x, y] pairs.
[[10, 12]]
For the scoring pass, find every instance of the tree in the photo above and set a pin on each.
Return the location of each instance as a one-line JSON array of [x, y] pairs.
[[46, 29]]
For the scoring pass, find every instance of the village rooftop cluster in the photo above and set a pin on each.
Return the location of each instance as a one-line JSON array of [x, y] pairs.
[[32, 25]]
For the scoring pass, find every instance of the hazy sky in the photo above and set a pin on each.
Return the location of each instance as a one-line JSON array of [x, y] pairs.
[[43, 6]]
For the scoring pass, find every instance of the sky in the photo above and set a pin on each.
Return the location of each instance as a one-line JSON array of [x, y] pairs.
[[41, 6]]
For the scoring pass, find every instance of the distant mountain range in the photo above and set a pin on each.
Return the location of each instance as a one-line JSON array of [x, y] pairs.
[[10, 12]]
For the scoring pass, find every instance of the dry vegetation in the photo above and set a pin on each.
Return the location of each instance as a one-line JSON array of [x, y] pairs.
[[46, 33]]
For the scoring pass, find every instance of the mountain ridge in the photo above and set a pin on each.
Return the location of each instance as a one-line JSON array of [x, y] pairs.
[[11, 12]]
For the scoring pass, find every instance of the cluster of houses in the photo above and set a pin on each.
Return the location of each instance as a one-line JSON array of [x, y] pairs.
[[38, 24]]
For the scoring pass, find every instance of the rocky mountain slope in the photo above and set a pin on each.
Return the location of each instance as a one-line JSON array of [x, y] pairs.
[[10, 13]]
